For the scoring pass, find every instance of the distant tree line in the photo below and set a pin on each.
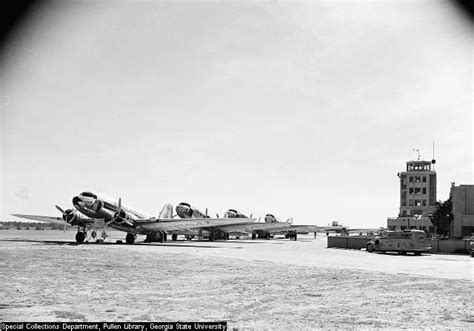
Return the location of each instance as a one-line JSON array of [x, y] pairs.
[[16, 225]]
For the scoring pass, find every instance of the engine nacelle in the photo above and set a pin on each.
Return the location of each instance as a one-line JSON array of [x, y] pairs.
[[121, 217], [73, 217]]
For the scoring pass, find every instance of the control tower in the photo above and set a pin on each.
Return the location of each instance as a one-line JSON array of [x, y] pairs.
[[417, 197]]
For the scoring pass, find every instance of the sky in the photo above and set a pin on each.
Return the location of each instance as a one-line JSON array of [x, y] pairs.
[[300, 109]]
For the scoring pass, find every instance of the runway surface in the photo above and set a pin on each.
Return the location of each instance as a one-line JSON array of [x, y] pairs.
[[275, 284]]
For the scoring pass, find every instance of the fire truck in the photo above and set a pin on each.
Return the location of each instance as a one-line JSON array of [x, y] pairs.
[[402, 242]]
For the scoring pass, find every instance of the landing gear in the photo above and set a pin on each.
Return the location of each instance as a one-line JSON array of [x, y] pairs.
[[254, 236], [80, 237], [174, 237], [130, 238]]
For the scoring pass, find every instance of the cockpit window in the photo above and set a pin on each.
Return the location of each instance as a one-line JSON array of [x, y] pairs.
[[185, 204], [89, 195], [233, 211]]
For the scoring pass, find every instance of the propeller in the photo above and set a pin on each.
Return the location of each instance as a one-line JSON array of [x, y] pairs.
[[68, 214], [117, 213]]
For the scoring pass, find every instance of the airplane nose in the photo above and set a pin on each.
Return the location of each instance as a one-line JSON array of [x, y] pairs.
[[184, 212], [76, 201]]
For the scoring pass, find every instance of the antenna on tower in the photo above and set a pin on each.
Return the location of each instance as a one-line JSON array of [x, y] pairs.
[[433, 161]]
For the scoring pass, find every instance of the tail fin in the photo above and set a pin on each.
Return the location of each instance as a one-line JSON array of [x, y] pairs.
[[166, 212], [290, 220]]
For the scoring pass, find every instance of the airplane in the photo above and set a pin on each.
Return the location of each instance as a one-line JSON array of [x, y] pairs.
[[272, 226], [93, 210], [269, 227], [345, 231]]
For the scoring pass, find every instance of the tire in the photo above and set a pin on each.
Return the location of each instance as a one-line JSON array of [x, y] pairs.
[[130, 238], [80, 237], [370, 248], [174, 237]]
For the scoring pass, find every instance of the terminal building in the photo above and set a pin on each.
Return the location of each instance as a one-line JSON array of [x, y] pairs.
[[462, 198], [417, 197]]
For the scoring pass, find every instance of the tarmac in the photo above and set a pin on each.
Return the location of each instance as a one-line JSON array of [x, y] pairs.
[[252, 284]]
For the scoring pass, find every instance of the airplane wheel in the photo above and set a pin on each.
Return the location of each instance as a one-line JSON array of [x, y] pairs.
[[94, 234], [370, 248], [130, 238], [80, 237], [174, 237]]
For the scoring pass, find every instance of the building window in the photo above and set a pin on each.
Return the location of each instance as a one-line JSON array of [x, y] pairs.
[[418, 203], [404, 182], [404, 213], [410, 202], [417, 190], [424, 202], [417, 179], [424, 190], [411, 190], [424, 179], [411, 179]]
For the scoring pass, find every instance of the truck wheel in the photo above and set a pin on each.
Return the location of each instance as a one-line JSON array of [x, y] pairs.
[[370, 248]]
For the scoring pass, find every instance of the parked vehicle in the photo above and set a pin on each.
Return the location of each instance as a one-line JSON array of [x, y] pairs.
[[402, 242]]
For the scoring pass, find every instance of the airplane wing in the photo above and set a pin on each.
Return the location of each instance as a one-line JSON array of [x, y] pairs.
[[154, 225], [92, 222], [46, 219]]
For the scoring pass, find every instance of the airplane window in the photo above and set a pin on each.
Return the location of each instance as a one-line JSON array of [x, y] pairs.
[[185, 204], [88, 194], [233, 211]]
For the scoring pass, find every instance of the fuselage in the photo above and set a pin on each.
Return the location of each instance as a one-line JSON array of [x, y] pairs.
[[96, 205], [185, 210]]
